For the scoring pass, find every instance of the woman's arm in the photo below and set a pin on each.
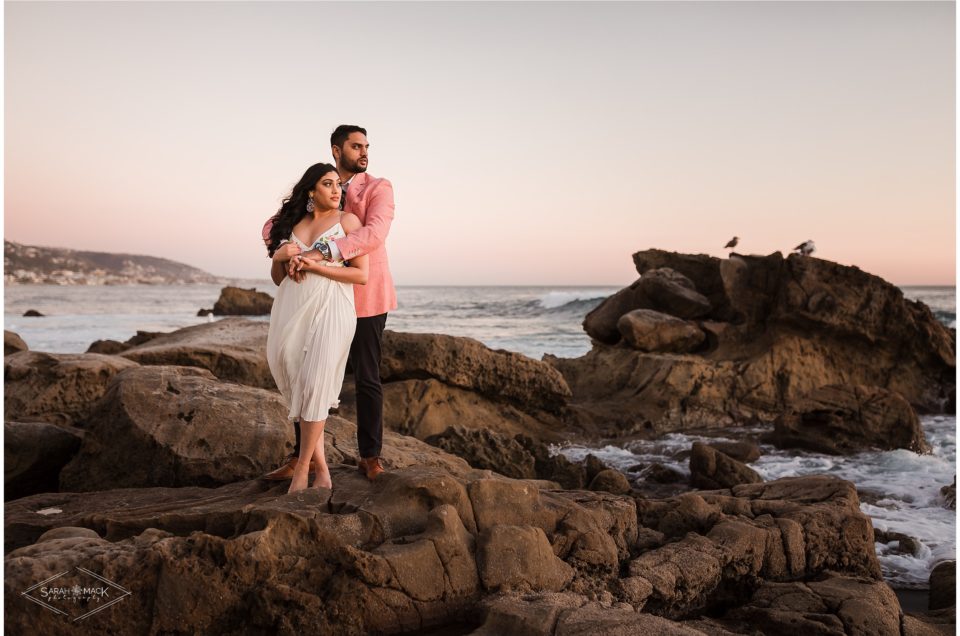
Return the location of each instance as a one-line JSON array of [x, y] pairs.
[[356, 273], [278, 265], [358, 270]]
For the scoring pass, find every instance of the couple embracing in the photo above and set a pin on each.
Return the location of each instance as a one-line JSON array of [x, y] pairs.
[[329, 260]]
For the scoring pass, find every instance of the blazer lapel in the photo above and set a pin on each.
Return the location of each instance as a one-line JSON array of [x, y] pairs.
[[355, 193]]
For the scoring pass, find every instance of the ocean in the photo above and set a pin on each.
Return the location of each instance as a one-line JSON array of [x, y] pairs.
[[899, 489]]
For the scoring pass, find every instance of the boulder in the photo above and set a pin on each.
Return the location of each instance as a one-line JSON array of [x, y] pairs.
[[178, 426], [33, 455], [648, 330], [949, 494], [12, 343], [672, 293], [57, 388], [467, 364], [233, 349], [778, 329], [424, 408], [32, 313], [511, 557], [107, 347], [610, 480], [841, 420], [235, 301], [658, 473], [710, 469], [487, 450], [835, 605], [601, 323], [943, 585], [742, 451]]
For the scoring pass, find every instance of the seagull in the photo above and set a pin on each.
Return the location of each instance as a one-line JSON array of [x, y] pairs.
[[806, 248], [732, 242]]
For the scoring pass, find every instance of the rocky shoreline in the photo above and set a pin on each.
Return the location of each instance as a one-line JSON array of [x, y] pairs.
[[139, 462]]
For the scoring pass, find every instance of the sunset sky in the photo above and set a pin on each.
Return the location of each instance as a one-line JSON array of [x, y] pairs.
[[528, 143]]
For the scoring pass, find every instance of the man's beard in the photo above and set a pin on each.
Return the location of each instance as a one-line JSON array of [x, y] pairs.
[[355, 167]]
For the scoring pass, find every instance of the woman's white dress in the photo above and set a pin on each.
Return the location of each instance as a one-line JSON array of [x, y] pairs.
[[311, 327]]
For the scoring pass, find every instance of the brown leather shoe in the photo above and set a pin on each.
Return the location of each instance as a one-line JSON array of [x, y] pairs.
[[285, 471], [370, 467]]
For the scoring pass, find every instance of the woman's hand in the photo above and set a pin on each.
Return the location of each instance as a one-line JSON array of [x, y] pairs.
[[308, 264], [286, 252]]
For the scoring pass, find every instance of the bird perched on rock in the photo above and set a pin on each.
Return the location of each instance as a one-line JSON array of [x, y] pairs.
[[732, 242], [806, 248]]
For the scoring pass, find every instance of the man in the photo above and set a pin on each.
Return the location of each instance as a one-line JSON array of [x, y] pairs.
[[371, 199]]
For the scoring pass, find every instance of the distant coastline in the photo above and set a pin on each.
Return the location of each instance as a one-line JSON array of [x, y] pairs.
[[30, 264]]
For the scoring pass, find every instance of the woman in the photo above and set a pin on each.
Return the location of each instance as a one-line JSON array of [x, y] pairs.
[[313, 317]]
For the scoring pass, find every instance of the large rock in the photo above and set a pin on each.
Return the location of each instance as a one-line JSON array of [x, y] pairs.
[[835, 605], [468, 364], [779, 329], [485, 449], [12, 343], [841, 420], [424, 408], [233, 349], [648, 330], [235, 301], [710, 469], [672, 293], [33, 455], [57, 388], [425, 546], [178, 426], [943, 585]]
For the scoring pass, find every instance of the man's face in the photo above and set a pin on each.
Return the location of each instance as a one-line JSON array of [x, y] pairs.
[[352, 157]]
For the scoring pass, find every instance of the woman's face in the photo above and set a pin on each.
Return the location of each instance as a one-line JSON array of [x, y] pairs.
[[326, 194]]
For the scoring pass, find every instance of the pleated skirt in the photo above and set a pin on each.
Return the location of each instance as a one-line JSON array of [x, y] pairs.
[[311, 327]]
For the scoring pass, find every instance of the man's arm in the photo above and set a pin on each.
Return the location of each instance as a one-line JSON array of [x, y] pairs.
[[374, 231]]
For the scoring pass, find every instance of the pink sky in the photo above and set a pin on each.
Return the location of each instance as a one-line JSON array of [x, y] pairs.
[[529, 143]]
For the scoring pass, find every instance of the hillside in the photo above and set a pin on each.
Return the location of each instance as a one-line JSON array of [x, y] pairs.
[[24, 264]]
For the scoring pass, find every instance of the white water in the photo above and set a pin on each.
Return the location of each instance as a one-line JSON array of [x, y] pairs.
[[900, 489]]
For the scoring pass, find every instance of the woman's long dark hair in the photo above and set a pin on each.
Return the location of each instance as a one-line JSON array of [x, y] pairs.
[[294, 207]]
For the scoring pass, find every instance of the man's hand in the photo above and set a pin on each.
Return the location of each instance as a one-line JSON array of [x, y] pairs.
[[286, 252]]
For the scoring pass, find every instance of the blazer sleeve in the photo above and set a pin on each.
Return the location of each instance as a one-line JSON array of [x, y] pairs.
[[376, 226]]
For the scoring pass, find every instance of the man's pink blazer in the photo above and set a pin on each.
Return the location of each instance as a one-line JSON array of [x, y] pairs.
[[371, 199]]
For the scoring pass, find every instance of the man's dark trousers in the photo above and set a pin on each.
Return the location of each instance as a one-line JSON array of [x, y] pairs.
[[365, 353]]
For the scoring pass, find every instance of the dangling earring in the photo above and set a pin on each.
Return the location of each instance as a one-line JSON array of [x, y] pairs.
[[310, 206]]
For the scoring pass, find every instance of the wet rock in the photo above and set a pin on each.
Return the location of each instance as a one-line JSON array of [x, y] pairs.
[[34, 454], [710, 469], [653, 331], [743, 451], [949, 494], [661, 474], [593, 465], [943, 585], [905, 543], [235, 301], [57, 388], [32, 313], [467, 364], [12, 343], [610, 480], [840, 420], [233, 349]]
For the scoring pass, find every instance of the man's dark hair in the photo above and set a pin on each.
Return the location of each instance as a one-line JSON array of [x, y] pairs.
[[339, 136]]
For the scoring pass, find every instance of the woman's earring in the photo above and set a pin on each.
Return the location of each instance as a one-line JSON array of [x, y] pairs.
[[310, 206]]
